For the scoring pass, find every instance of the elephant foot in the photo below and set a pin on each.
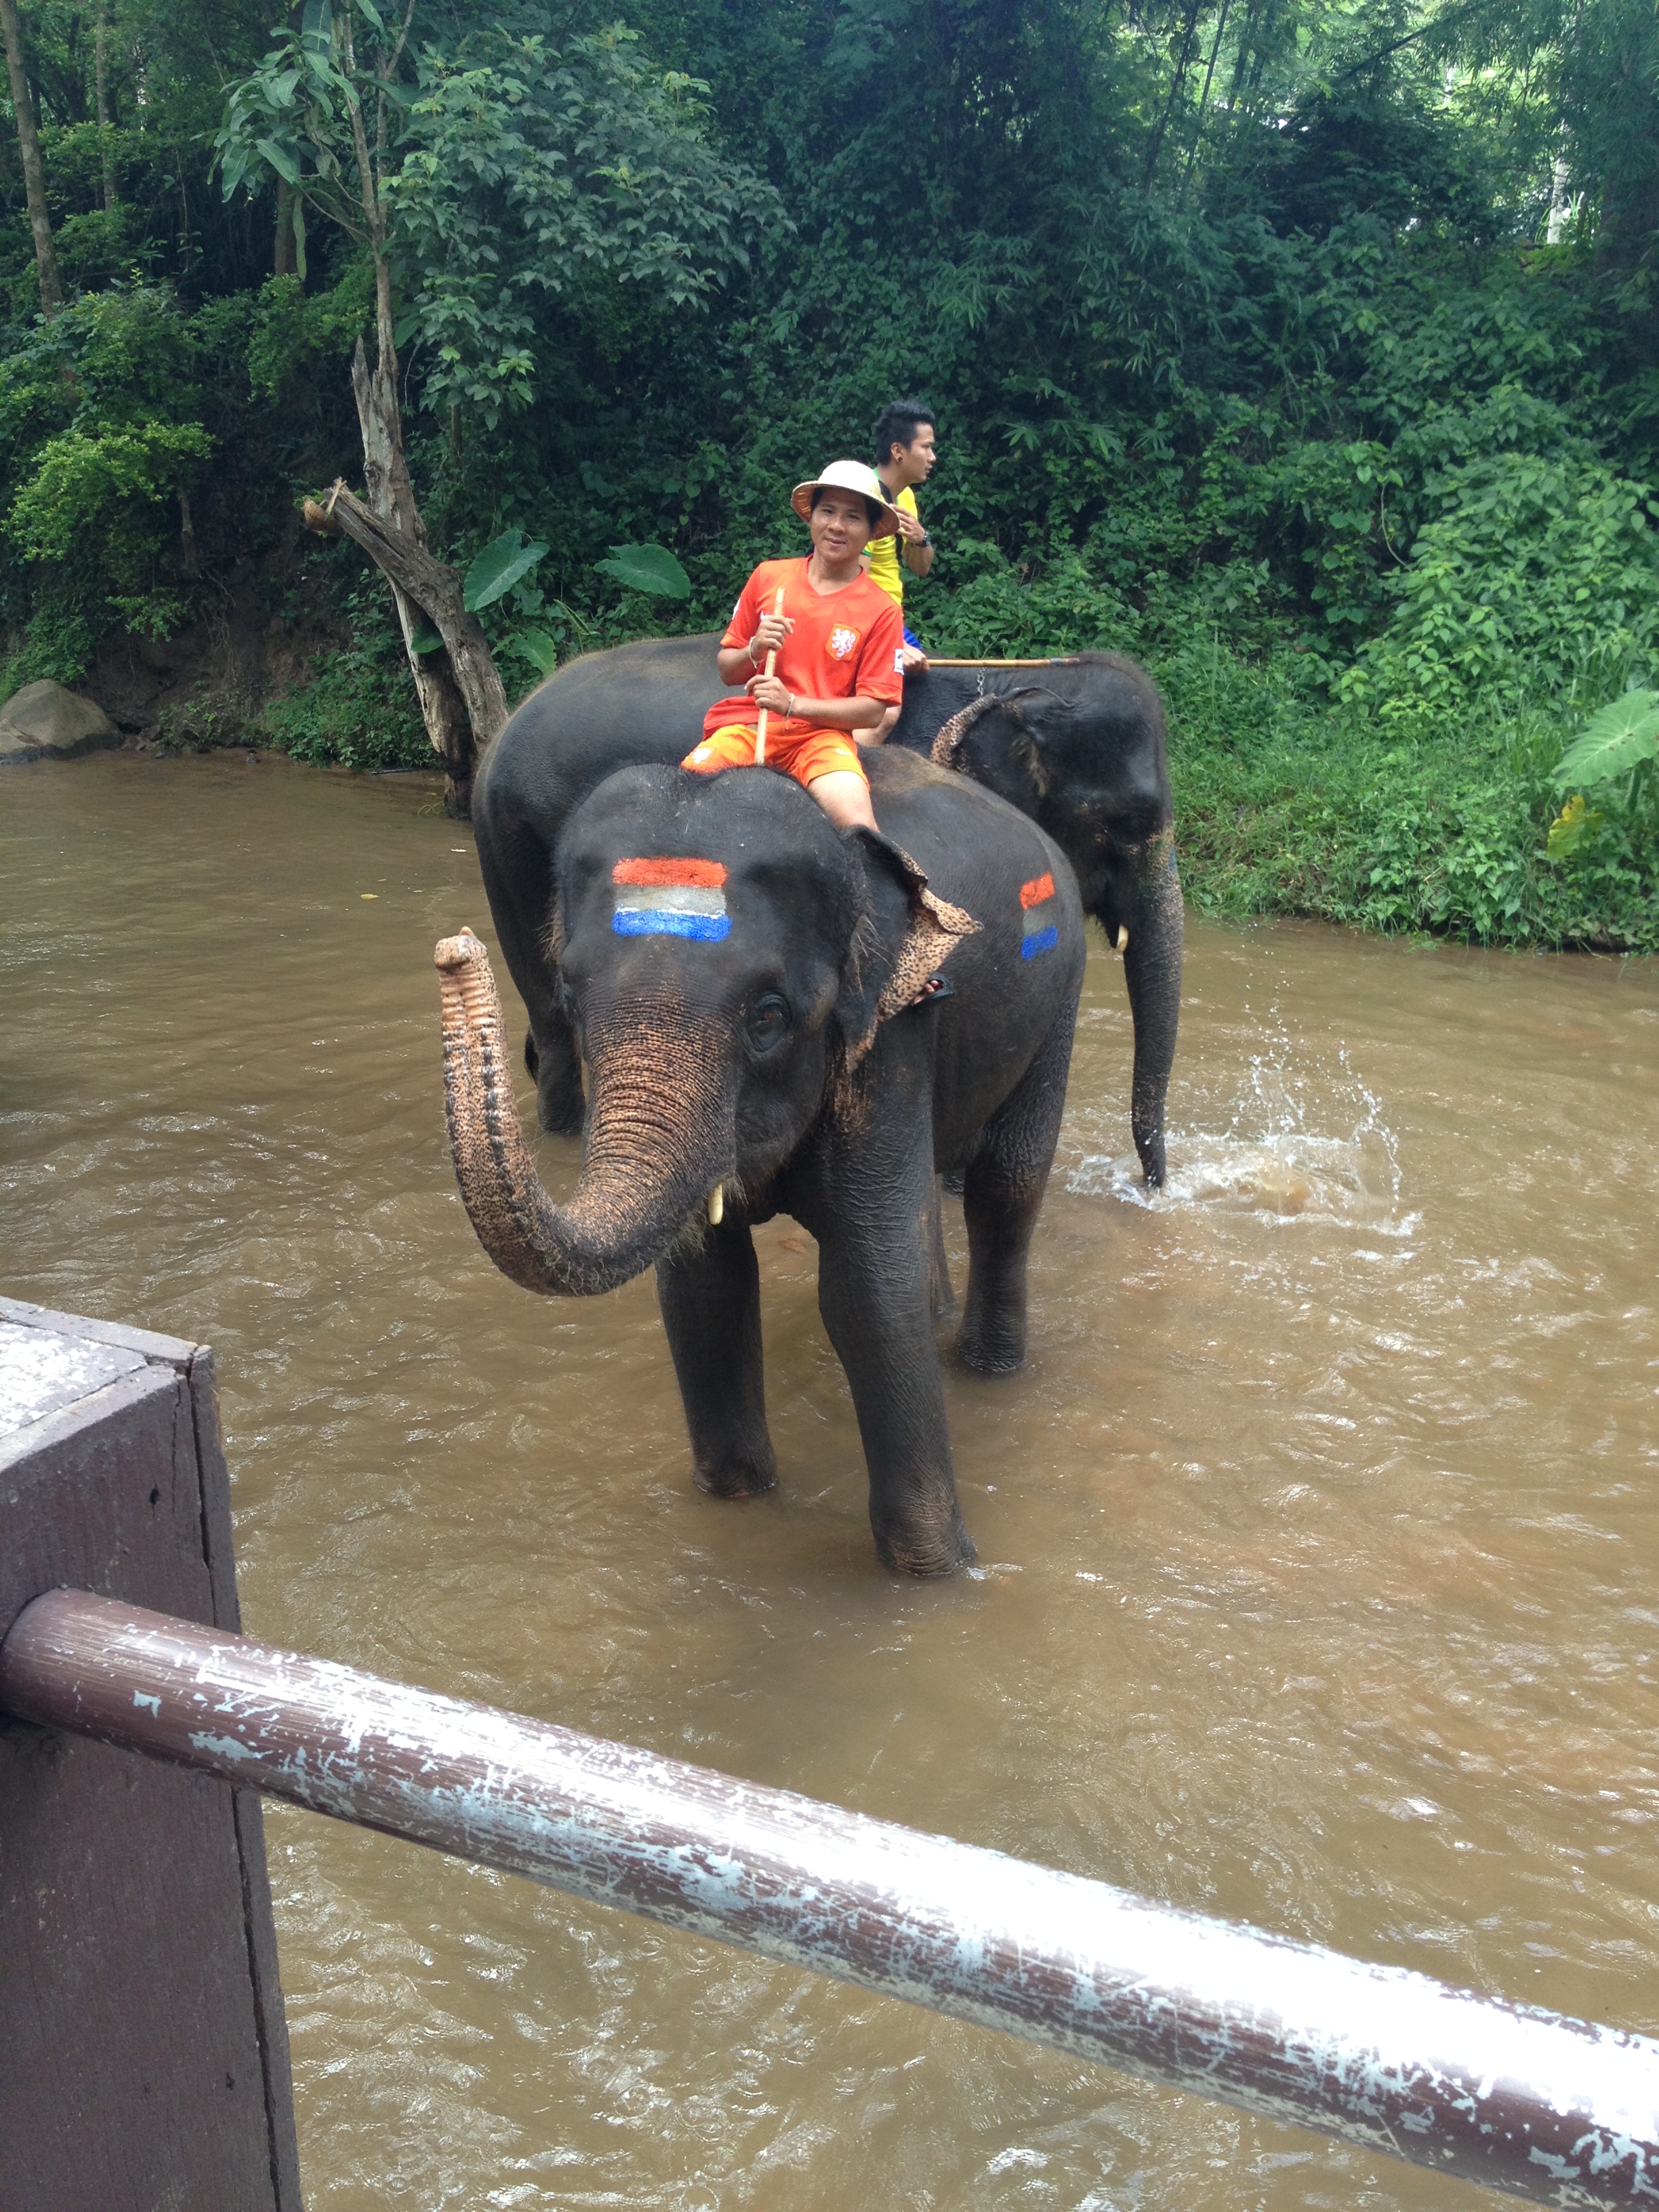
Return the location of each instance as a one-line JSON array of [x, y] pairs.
[[927, 1553], [737, 1477], [986, 1348]]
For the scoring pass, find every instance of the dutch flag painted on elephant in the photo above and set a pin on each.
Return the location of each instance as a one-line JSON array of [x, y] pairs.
[[1037, 900], [671, 898]]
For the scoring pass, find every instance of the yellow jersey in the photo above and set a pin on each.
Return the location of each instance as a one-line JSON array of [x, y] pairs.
[[886, 566]]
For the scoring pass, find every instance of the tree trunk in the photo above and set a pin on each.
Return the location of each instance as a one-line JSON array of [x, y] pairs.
[[34, 181], [190, 559], [464, 703], [1175, 91], [1561, 202], [283, 260], [1627, 230], [99, 46]]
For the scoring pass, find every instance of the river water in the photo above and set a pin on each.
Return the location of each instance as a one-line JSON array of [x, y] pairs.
[[1321, 1550]]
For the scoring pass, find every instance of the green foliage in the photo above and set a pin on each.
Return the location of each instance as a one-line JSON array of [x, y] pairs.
[[83, 479], [58, 640], [1572, 829], [1248, 354], [529, 170], [649, 569], [293, 332], [537, 647], [1535, 569], [359, 711], [1621, 738], [494, 572]]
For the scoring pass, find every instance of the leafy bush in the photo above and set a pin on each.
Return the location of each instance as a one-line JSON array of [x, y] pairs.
[[360, 710], [1536, 570]]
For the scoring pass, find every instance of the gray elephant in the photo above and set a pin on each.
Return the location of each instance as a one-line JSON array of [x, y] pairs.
[[775, 1017], [1078, 745]]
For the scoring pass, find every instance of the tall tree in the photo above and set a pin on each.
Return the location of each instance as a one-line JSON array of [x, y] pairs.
[[100, 69], [481, 172], [35, 180]]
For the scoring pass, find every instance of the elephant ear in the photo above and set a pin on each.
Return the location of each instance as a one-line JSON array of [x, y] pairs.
[[993, 741], [905, 932]]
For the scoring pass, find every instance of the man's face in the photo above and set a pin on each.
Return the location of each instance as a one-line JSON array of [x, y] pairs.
[[917, 458], [839, 526]]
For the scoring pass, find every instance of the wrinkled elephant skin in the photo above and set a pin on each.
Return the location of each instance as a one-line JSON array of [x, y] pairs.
[[745, 987]]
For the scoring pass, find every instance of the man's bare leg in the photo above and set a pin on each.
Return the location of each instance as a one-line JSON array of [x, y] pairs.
[[845, 798]]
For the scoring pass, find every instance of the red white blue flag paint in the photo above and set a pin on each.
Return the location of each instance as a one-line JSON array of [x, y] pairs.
[[1042, 933], [671, 898]]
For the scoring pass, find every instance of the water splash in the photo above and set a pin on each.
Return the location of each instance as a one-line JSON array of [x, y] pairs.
[[1298, 1146]]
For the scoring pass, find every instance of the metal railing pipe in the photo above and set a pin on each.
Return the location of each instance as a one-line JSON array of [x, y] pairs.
[[1553, 2109]]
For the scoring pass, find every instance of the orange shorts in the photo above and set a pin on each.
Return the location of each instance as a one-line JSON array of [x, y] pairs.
[[814, 753]]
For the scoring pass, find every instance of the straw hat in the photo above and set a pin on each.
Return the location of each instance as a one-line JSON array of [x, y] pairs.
[[848, 476]]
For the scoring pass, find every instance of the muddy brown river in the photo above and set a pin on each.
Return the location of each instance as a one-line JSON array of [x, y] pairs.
[[1320, 1540]]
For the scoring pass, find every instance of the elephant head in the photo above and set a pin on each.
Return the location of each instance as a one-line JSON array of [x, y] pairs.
[[727, 957], [1083, 753]]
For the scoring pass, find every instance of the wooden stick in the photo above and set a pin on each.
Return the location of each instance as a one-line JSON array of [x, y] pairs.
[[1048, 660], [771, 665]]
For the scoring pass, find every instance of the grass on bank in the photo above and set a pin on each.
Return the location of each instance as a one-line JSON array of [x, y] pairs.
[[1285, 804]]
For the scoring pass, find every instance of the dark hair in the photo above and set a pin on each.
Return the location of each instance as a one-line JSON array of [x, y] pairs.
[[871, 507], [897, 425]]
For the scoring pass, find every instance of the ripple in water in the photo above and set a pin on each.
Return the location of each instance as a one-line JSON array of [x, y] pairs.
[[1296, 1146]]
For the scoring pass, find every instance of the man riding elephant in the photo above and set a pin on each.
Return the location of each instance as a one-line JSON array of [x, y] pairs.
[[1077, 743]]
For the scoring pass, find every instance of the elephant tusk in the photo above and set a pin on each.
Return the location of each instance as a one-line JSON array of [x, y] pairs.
[[1120, 942], [717, 1206]]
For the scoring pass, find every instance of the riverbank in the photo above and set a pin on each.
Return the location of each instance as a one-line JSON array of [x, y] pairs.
[[1285, 804], [1288, 802]]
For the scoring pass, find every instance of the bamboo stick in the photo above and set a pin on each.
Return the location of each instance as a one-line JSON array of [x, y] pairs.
[[771, 665]]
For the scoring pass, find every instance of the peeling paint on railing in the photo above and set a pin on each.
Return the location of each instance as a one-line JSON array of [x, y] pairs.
[[1557, 2110]]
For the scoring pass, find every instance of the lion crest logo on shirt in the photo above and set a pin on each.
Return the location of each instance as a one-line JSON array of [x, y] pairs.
[[841, 640]]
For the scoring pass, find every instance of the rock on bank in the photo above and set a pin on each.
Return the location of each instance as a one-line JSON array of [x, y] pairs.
[[45, 722]]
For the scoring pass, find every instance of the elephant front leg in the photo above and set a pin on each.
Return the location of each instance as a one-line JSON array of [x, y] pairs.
[[555, 1067], [710, 1299], [874, 1296]]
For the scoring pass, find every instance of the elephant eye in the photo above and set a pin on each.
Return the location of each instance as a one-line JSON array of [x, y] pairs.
[[767, 1022]]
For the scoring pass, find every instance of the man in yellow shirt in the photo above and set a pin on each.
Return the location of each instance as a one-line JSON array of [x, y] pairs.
[[905, 455]]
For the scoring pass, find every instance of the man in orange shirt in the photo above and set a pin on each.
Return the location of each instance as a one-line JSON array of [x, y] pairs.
[[839, 643]]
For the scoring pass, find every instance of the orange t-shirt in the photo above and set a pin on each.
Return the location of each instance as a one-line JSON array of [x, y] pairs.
[[848, 644]]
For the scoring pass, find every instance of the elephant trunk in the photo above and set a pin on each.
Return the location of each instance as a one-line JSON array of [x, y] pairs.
[[1151, 967], [660, 1141]]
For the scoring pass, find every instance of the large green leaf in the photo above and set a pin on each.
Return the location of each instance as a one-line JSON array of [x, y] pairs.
[[317, 40], [647, 569], [280, 159], [1616, 738], [537, 648], [498, 568]]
